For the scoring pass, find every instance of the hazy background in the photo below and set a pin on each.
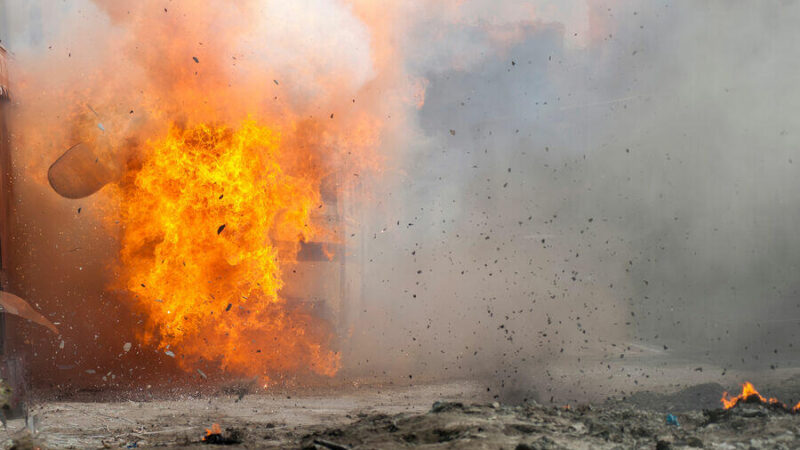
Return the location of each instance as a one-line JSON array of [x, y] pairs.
[[582, 177], [635, 186]]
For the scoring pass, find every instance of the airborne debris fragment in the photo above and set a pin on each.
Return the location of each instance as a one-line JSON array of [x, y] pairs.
[[195, 59], [169, 353], [12, 304]]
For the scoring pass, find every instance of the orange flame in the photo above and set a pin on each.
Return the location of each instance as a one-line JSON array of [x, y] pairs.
[[232, 129], [328, 252], [749, 393], [210, 220], [215, 429]]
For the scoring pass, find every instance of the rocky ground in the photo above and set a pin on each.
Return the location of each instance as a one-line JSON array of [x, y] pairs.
[[453, 415], [621, 426]]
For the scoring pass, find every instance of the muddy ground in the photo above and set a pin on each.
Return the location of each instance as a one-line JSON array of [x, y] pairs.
[[434, 415]]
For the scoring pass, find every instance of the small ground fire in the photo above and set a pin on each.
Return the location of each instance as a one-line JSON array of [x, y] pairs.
[[749, 394]]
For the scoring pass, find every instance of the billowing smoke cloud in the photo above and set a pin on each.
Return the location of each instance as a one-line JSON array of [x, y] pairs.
[[560, 184], [608, 179]]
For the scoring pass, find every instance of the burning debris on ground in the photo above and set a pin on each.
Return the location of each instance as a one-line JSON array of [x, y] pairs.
[[215, 436], [750, 395]]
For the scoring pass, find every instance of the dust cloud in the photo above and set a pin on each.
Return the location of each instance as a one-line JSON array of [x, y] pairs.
[[618, 178]]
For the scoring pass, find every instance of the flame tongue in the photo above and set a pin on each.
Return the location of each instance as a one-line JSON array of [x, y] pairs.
[[748, 392], [200, 219], [215, 429], [751, 395]]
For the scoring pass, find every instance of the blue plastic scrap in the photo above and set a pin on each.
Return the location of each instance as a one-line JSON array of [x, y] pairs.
[[672, 420]]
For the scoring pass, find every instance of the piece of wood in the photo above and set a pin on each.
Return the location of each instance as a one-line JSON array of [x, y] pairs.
[[19, 307]]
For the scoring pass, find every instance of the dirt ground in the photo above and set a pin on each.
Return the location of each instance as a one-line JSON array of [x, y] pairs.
[[434, 415]]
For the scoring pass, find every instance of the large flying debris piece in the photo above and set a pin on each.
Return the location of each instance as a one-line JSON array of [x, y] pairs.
[[80, 172], [12, 304], [86, 166]]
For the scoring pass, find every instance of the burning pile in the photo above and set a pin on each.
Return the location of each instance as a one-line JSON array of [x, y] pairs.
[[749, 394], [215, 436], [214, 431]]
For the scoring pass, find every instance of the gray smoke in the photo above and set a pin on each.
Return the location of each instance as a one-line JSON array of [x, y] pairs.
[[564, 202]]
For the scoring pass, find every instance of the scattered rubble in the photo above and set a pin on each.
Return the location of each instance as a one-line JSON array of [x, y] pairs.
[[387, 419], [612, 426]]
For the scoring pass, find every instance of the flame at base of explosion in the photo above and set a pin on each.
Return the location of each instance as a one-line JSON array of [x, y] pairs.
[[210, 219]]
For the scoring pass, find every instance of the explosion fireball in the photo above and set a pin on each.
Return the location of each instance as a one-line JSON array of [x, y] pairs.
[[210, 220]]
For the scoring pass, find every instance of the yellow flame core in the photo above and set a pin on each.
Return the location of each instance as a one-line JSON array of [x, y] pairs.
[[202, 219]]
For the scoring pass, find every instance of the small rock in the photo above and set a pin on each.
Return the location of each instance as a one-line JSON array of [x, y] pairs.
[[439, 407], [578, 427], [694, 441]]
